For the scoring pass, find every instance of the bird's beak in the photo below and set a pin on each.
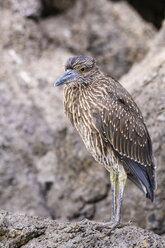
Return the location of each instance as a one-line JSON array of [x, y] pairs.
[[66, 78]]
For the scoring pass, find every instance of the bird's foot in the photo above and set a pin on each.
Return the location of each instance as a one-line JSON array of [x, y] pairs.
[[112, 226], [92, 222]]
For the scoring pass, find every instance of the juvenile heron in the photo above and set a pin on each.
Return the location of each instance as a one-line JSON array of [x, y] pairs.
[[111, 127]]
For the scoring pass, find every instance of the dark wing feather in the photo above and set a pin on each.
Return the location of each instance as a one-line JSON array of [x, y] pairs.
[[123, 126], [140, 175], [126, 132]]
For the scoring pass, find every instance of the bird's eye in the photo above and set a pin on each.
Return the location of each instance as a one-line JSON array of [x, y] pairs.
[[83, 69]]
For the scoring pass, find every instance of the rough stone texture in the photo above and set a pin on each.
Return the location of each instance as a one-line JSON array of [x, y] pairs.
[[21, 35], [146, 81], [36, 9], [43, 162], [30, 8], [26, 135], [51, 7], [45, 169], [151, 10], [37, 144], [111, 32], [26, 232]]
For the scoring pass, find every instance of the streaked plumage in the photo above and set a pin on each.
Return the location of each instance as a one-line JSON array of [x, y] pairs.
[[110, 124]]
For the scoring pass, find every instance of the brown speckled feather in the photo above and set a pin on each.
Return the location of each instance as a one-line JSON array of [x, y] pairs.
[[122, 124]]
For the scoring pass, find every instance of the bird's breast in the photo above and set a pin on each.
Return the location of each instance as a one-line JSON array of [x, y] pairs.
[[79, 111], [98, 148]]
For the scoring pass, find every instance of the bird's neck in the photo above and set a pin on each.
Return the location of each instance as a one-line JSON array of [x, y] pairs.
[[76, 102], [71, 102]]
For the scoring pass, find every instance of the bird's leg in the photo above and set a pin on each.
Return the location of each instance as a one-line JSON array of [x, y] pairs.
[[117, 188], [118, 182], [122, 178], [100, 225], [114, 181], [114, 186]]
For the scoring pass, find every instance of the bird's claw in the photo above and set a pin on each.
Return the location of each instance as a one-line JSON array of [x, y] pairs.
[[112, 226], [100, 226], [90, 222]]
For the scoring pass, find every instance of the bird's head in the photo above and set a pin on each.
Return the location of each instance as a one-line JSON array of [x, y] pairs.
[[80, 70]]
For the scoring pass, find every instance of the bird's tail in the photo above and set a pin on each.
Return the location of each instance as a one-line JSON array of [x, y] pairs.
[[142, 176]]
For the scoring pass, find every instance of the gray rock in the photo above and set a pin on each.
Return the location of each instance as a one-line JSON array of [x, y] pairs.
[[152, 11], [54, 6], [26, 132], [45, 169], [146, 81], [43, 162], [111, 32], [23, 231], [20, 35], [30, 8], [26, 135]]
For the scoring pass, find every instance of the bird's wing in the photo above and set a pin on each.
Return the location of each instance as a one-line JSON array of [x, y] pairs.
[[120, 123], [124, 129]]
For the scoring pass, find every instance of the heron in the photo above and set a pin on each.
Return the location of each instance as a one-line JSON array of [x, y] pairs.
[[112, 128]]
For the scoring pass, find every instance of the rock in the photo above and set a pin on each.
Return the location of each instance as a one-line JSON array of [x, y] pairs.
[[152, 11], [72, 186], [111, 32], [54, 6], [21, 36], [43, 162], [146, 82], [45, 169], [38, 145], [23, 231], [26, 133], [30, 8]]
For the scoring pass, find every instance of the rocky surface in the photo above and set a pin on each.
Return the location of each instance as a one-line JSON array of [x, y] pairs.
[[124, 40], [54, 6], [30, 8], [111, 32], [45, 169], [150, 10], [23, 231], [146, 81], [37, 144]]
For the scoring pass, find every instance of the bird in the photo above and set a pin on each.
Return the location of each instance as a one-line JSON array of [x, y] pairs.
[[112, 128]]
